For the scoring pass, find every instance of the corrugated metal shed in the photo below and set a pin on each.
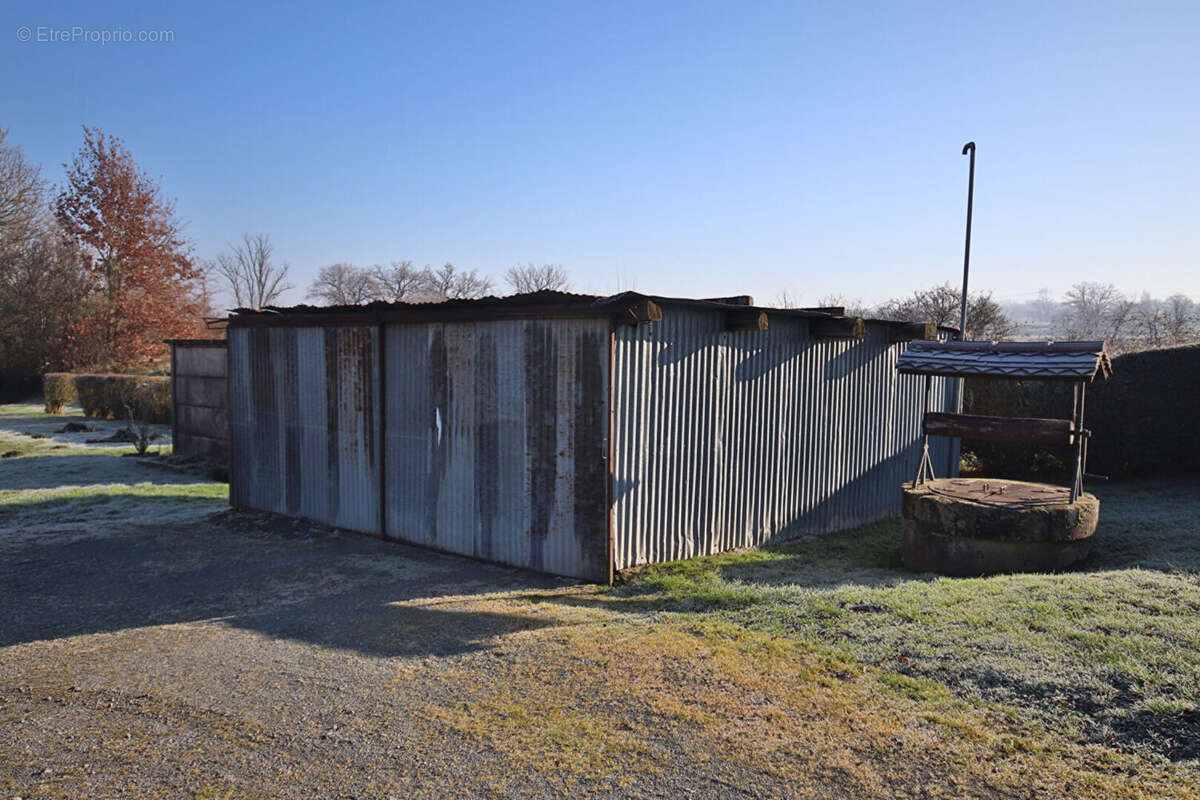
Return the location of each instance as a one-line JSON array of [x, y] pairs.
[[573, 434], [729, 439], [1068, 361]]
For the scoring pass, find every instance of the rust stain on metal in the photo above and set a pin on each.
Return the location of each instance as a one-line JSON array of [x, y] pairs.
[[333, 386], [541, 391], [487, 447], [439, 426]]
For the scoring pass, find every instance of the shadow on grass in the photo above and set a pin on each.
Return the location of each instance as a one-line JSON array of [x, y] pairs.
[[1152, 525]]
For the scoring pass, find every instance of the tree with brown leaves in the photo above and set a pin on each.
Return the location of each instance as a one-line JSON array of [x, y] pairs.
[[142, 279]]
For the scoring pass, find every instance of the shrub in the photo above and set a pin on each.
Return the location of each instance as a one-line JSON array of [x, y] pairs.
[[113, 396], [58, 391]]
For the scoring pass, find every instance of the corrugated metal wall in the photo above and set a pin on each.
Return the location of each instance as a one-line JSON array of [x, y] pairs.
[[496, 437], [495, 434], [732, 439], [200, 399], [304, 403]]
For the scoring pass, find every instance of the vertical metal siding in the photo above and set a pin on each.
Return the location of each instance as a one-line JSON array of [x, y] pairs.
[[496, 437], [199, 397], [304, 406], [733, 439]]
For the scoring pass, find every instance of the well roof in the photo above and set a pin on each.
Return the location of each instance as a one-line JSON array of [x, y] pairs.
[[1067, 361]]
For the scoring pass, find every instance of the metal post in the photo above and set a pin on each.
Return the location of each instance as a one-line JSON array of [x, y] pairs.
[[968, 148], [1077, 485]]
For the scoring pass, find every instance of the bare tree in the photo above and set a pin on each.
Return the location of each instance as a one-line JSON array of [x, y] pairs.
[[342, 284], [526, 278], [785, 298], [852, 307], [250, 273], [21, 198], [1182, 319], [43, 290], [1149, 320], [941, 306], [450, 284], [397, 283], [1093, 311]]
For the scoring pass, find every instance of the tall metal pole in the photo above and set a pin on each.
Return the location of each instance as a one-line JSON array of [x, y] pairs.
[[969, 147]]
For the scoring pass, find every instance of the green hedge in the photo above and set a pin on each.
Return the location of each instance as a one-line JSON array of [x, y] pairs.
[[1144, 419], [58, 391], [110, 396]]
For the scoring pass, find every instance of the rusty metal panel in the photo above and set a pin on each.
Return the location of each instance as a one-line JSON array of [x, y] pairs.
[[496, 437], [303, 407], [199, 396], [201, 361], [727, 439]]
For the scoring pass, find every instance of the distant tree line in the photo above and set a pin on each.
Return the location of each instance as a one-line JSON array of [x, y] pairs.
[[344, 284], [1100, 311], [939, 304], [1087, 312]]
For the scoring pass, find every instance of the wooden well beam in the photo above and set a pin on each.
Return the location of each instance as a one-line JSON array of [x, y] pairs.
[[1000, 429]]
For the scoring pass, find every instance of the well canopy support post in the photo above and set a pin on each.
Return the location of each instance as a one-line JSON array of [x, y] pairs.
[[1080, 440], [925, 468]]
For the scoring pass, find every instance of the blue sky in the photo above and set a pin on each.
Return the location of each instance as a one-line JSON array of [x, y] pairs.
[[675, 148]]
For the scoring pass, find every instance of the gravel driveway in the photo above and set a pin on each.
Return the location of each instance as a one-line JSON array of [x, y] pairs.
[[155, 644]]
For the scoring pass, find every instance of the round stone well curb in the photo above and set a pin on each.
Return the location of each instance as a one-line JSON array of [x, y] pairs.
[[982, 526]]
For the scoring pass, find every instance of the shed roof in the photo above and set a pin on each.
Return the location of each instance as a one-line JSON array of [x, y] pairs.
[[1063, 361], [628, 306], [534, 304]]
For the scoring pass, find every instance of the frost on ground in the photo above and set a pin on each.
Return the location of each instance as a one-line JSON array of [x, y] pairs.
[[29, 420], [58, 483], [156, 644]]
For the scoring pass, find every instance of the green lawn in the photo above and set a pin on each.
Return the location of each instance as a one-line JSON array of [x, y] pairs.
[[1108, 653]]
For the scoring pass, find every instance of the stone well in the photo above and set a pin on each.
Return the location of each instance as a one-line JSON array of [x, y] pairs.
[[981, 526]]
